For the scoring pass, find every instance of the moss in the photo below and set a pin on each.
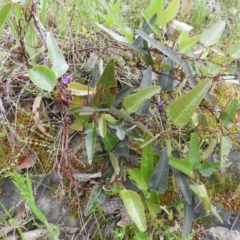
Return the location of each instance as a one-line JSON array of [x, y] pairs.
[[222, 189], [23, 137], [171, 194]]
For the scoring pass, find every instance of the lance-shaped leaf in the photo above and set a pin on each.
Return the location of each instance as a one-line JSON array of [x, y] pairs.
[[135, 209], [234, 50], [155, 7], [172, 55], [169, 13], [194, 155], [114, 35], [166, 78], [115, 163], [183, 183], [121, 95], [153, 209], [106, 88], [187, 43], [213, 34], [147, 166], [201, 192], [232, 108], [137, 177], [4, 12], [182, 165], [158, 180], [90, 139], [79, 89], [207, 169], [59, 65], [97, 196], [226, 145], [123, 28], [109, 141], [146, 82], [181, 110], [133, 101], [188, 211]]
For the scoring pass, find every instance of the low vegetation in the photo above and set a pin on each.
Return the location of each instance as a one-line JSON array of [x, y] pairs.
[[139, 95]]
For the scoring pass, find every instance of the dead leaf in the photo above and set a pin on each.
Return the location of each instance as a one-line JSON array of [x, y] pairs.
[[84, 177], [26, 162], [35, 107], [36, 234]]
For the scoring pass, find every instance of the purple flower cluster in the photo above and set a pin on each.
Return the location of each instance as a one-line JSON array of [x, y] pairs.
[[160, 105], [66, 81]]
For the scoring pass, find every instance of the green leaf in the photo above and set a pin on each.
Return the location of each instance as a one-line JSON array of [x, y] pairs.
[[202, 119], [109, 118], [226, 145], [188, 211], [232, 109], [90, 139], [79, 89], [109, 141], [183, 183], [215, 213], [186, 44], [166, 77], [153, 209], [181, 26], [147, 166], [43, 77], [210, 148], [225, 119], [213, 34], [77, 125], [194, 157], [146, 82], [95, 76], [114, 190], [234, 50], [114, 35], [154, 197], [201, 192], [158, 180], [136, 175], [115, 163], [155, 7], [4, 12], [116, 9], [182, 165], [181, 110], [121, 95], [106, 88], [123, 28], [207, 169], [135, 209], [169, 13], [102, 126], [97, 197], [129, 119], [59, 65], [133, 101]]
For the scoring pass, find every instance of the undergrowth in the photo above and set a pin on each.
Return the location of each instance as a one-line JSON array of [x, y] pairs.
[[128, 90]]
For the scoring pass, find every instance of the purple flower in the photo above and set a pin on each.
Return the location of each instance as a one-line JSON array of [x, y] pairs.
[[66, 80], [160, 105]]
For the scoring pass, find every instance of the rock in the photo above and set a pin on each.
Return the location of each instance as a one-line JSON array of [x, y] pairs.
[[222, 233], [54, 209]]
